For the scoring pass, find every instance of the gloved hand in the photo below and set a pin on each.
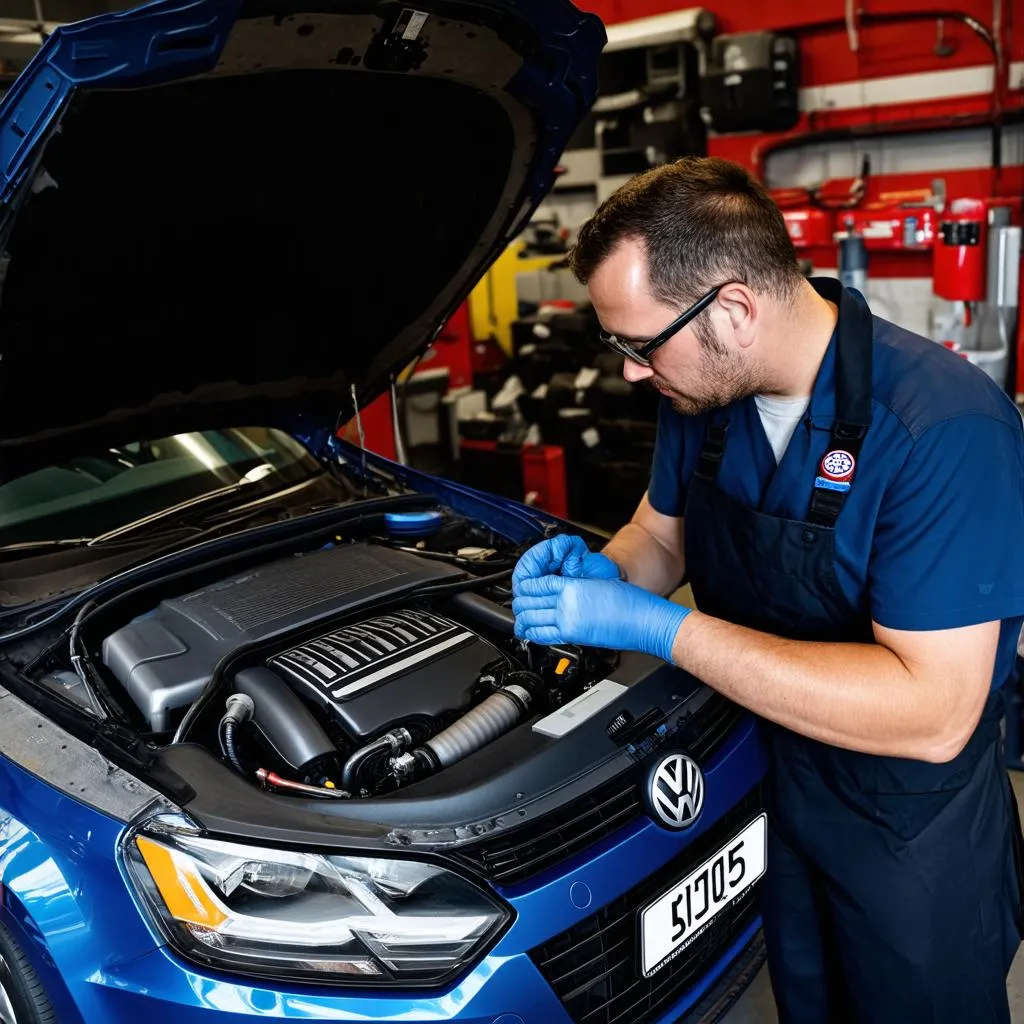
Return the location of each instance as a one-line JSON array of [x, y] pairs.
[[596, 613], [565, 554]]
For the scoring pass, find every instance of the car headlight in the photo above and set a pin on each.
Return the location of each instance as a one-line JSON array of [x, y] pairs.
[[342, 919]]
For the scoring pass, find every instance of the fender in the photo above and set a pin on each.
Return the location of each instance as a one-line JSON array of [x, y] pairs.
[[61, 891]]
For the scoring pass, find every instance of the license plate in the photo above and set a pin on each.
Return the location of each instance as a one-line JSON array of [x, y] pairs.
[[679, 917]]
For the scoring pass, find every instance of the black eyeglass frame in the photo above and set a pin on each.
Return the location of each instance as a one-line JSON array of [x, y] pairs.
[[643, 354]]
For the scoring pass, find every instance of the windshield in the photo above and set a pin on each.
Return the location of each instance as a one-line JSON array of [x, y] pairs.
[[89, 495]]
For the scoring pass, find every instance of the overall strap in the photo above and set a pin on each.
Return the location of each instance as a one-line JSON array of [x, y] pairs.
[[854, 333], [712, 450]]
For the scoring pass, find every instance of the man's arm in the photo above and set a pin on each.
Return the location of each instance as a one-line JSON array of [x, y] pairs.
[[946, 565], [912, 694], [649, 549]]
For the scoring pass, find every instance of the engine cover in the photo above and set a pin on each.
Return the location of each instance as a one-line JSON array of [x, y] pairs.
[[165, 659], [388, 669]]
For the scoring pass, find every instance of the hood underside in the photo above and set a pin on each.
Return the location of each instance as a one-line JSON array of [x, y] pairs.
[[253, 231]]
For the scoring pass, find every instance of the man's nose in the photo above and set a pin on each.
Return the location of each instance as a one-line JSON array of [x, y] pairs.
[[634, 372]]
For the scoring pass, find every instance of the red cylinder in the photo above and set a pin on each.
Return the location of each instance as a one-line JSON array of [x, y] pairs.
[[960, 256]]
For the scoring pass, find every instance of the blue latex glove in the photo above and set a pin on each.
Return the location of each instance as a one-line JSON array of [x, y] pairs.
[[566, 555], [597, 613]]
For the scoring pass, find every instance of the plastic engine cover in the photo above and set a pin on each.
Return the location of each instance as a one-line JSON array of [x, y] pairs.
[[165, 659], [389, 669]]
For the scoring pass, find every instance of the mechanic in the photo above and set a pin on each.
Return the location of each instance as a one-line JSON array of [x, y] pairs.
[[853, 502]]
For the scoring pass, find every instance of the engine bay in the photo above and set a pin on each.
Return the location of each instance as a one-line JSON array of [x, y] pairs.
[[351, 669]]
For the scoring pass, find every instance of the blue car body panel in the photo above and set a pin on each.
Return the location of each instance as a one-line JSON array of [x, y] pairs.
[[63, 893], [66, 900]]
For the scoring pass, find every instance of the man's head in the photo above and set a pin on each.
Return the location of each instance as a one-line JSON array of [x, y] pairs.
[[662, 243]]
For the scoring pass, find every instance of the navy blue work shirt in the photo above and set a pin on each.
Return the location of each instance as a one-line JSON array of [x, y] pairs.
[[932, 532]]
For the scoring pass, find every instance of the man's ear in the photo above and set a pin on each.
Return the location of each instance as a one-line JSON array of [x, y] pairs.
[[739, 305]]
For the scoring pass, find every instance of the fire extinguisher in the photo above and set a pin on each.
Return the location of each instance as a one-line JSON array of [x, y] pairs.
[[960, 256]]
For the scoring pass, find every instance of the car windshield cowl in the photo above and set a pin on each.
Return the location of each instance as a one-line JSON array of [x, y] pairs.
[[140, 490]]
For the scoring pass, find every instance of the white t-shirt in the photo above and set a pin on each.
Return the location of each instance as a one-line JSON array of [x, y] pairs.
[[779, 417]]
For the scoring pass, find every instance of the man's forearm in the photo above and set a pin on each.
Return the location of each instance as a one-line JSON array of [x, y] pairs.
[[857, 696], [644, 560]]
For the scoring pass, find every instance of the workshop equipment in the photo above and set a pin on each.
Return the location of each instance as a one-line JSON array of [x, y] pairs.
[[751, 83], [853, 258], [969, 245], [961, 252]]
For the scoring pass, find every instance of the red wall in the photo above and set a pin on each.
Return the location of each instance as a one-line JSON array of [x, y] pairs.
[[900, 47]]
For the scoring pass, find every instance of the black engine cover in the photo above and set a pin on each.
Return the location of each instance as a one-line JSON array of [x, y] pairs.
[[165, 659], [387, 670]]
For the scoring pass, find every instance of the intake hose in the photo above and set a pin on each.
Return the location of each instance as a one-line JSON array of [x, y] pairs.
[[475, 729], [283, 720], [390, 743], [485, 612]]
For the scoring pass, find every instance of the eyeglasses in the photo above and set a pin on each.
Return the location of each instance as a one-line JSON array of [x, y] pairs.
[[641, 350]]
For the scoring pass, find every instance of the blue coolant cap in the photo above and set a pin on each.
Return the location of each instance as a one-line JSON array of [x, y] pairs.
[[413, 524]]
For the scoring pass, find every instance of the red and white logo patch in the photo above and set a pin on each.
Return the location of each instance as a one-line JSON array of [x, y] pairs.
[[838, 465]]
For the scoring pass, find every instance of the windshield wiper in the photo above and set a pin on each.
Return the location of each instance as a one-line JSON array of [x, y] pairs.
[[216, 497], [45, 545], [163, 537], [155, 528]]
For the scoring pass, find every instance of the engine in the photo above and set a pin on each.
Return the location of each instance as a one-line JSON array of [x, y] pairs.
[[390, 668], [165, 658], [347, 671]]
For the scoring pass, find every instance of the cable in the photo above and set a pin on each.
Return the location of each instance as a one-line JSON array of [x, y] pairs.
[[360, 431], [228, 745], [396, 425], [456, 585]]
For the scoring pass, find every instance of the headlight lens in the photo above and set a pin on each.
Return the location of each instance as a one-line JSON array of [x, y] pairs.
[[333, 918]]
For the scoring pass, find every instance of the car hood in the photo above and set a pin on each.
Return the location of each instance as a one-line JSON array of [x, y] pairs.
[[230, 212]]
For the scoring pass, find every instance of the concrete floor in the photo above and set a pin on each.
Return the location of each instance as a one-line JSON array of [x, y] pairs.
[[758, 1007]]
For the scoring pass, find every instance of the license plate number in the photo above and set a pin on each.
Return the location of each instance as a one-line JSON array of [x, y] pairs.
[[679, 917]]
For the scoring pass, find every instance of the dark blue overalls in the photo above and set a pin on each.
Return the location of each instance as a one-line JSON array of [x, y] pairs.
[[892, 892]]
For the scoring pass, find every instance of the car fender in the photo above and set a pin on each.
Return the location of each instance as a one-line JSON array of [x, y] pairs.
[[62, 894]]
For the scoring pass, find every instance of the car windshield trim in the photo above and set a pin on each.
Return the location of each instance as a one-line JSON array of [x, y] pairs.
[[97, 497]]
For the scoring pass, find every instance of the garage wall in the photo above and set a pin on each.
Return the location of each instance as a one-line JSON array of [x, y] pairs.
[[919, 92]]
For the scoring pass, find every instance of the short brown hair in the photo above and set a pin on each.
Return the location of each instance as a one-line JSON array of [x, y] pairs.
[[703, 221]]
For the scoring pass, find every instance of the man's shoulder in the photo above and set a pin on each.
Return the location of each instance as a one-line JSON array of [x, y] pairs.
[[923, 384]]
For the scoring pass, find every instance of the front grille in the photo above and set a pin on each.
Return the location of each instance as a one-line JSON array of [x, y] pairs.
[[594, 967], [523, 852]]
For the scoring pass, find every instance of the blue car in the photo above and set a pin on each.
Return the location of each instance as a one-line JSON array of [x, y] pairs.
[[269, 747]]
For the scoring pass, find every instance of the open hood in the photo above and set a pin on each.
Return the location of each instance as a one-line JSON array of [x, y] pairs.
[[222, 212]]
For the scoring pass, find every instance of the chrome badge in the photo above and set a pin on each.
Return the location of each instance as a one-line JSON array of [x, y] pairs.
[[675, 791]]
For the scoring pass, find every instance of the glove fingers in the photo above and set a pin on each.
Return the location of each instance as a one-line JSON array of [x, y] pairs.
[[550, 556], [542, 586], [556, 551], [573, 567], [530, 604], [534, 617], [604, 568], [541, 635]]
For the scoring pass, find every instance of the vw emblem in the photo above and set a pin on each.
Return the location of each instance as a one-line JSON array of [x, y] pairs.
[[675, 791]]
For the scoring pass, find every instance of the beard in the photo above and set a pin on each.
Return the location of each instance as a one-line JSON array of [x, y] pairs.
[[723, 378]]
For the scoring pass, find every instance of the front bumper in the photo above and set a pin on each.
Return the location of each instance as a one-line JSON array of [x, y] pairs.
[[507, 987]]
